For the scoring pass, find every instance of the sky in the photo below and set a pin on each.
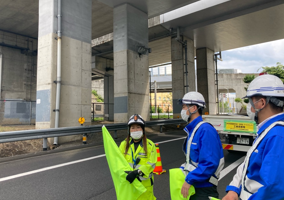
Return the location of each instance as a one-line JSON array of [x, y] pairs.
[[250, 59]]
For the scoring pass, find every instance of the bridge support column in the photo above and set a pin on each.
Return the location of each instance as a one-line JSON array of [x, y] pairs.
[[75, 97], [108, 99], [206, 78], [181, 79], [131, 70]]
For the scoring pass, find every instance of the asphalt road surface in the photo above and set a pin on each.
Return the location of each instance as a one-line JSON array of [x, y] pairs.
[[83, 173]]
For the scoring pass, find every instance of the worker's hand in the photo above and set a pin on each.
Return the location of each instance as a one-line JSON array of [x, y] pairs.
[[132, 176], [185, 189], [231, 195]]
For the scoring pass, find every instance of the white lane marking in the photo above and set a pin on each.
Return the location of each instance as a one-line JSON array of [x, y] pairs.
[[64, 164], [48, 168], [170, 140], [232, 166], [223, 173]]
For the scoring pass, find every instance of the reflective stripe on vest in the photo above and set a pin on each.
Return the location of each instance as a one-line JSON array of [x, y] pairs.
[[189, 165], [250, 186]]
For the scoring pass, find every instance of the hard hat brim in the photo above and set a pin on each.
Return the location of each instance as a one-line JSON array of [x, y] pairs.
[[264, 95], [191, 102]]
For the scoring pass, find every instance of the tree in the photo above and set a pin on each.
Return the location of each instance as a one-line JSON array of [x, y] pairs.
[[97, 96], [159, 109], [277, 71], [224, 107], [248, 78], [239, 100]]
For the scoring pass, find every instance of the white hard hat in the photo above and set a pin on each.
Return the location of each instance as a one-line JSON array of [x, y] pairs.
[[136, 119], [266, 85], [193, 98]]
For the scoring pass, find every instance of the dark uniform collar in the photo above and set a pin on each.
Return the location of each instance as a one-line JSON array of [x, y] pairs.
[[140, 143]]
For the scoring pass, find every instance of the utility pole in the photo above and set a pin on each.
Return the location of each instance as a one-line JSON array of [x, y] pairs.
[[150, 96], [155, 87]]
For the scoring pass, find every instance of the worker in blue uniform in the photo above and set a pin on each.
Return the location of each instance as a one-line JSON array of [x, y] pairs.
[[202, 148], [260, 176]]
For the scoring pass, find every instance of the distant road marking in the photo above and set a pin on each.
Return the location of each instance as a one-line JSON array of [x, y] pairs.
[[48, 168], [232, 166], [166, 141], [64, 164]]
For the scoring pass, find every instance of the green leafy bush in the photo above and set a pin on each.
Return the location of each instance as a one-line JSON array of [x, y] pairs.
[[98, 97]]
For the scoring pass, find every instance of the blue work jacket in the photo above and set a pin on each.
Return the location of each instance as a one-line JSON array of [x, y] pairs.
[[206, 150], [264, 175]]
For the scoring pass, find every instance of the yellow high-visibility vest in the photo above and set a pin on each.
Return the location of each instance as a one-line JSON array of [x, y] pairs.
[[177, 178]]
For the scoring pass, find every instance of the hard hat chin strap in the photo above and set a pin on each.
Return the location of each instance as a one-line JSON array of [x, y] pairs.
[[190, 113], [258, 110]]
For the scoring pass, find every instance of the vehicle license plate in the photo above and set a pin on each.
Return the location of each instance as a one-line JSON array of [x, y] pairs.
[[243, 140]]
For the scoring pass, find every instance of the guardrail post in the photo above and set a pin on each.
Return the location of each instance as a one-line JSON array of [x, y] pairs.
[[84, 137], [44, 144], [161, 129], [115, 134]]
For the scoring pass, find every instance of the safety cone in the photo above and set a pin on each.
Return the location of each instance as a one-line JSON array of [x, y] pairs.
[[158, 169]]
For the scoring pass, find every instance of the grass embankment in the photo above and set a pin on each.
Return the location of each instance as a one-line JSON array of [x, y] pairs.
[[161, 116]]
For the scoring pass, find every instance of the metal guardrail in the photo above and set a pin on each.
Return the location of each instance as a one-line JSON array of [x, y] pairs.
[[14, 136]]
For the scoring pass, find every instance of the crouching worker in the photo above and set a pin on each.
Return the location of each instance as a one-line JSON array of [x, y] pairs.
[[141, 155]]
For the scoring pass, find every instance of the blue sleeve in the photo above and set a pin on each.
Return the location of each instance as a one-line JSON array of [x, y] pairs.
[[210, 153], [271, 171], [235, 184], [233, 188]]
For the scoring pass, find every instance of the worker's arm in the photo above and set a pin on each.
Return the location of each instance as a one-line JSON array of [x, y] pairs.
[[235, 185]]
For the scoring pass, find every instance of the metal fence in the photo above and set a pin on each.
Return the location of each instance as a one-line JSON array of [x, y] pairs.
[[161, 112], [98, 110], [101, 110]]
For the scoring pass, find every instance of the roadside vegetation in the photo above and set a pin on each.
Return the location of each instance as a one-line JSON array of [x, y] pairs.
[[277, 70]]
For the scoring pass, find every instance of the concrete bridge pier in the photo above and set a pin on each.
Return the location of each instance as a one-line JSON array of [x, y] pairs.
[[182, 81], [109, 97], [75, 97], [206, 78], [131, 72]]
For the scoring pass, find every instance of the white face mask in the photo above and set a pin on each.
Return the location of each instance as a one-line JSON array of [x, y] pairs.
[[136, 135], [184, 116], [250, 114]]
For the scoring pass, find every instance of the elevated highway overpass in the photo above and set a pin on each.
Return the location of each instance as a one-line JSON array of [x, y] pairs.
[[110, 39]]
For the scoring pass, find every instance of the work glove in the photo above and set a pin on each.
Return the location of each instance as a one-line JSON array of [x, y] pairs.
[[132, 176]]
